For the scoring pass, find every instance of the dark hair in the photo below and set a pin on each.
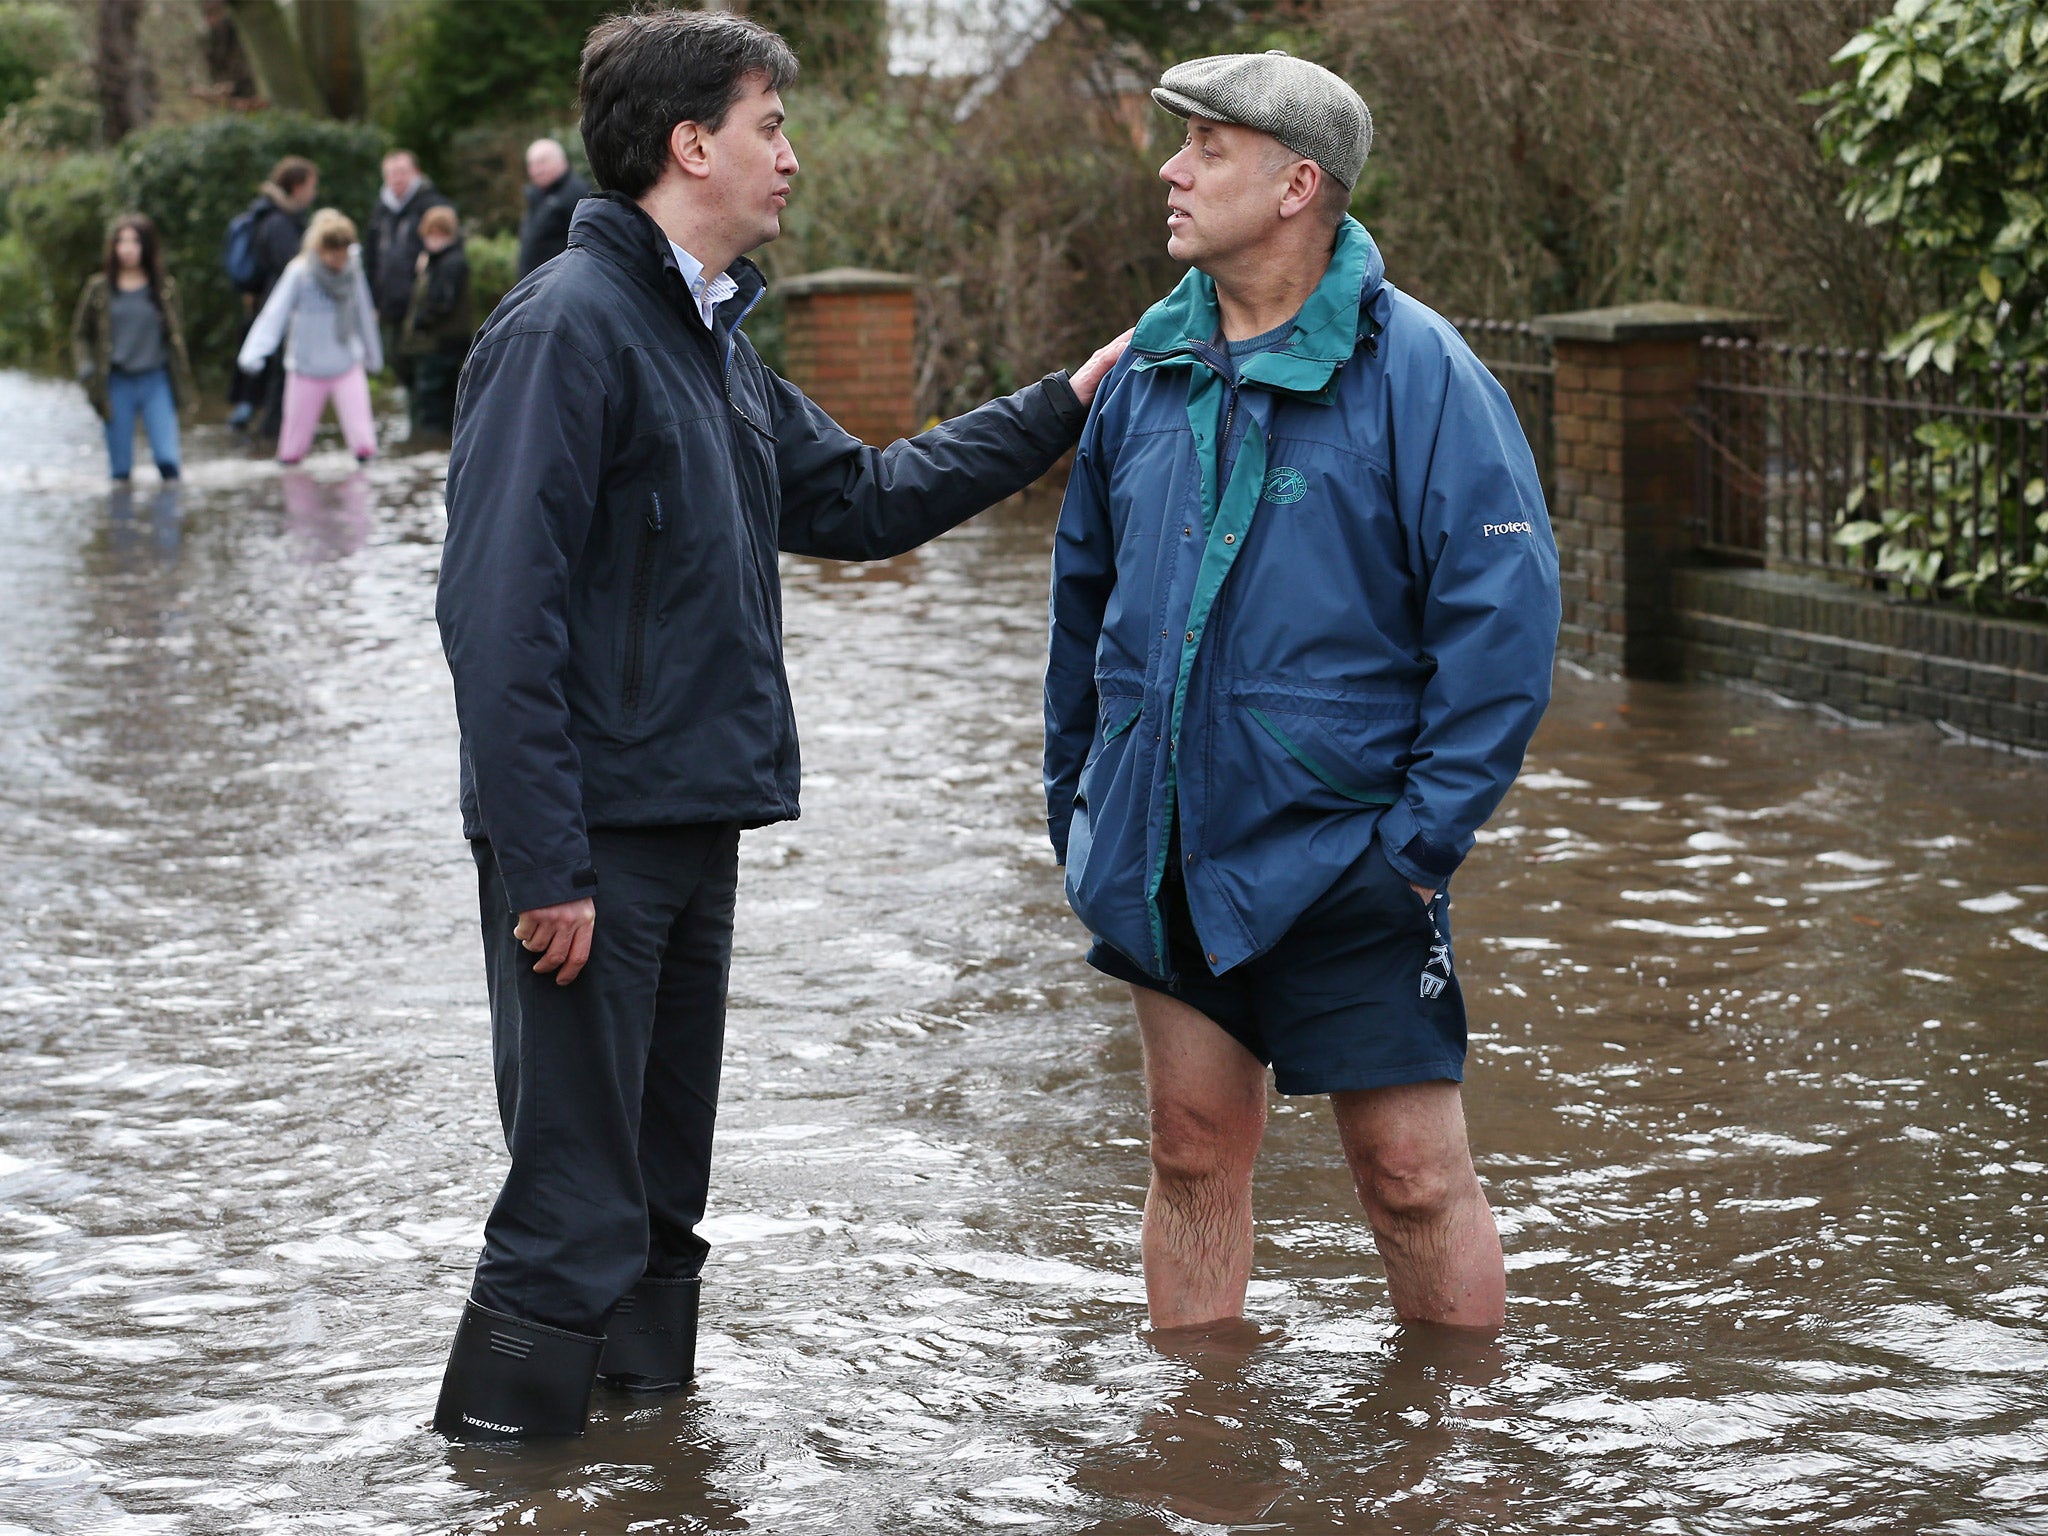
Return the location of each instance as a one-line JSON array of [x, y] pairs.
[[644, 74], [292, 173], [152, 251]]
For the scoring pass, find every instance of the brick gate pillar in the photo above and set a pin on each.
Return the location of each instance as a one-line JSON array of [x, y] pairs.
[[1622, 502], [849, 340]]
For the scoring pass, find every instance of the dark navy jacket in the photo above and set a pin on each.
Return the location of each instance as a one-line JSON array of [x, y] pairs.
[[1354, 634], [620, 483]]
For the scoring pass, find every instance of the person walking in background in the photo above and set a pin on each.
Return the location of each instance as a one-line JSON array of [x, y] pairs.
[[392, 247], [552, 192], [128, 345], [320, 313], [438, 323], [261, 243], [1305, 599]]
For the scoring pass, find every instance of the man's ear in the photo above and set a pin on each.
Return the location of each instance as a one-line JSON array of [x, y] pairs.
[[1304, 183], [689, 147]]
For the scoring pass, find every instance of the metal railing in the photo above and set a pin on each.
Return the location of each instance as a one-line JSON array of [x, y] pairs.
[[1830, 459], [1519, 356]]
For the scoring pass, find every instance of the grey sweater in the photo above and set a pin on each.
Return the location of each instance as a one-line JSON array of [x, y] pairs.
[[300, 315]]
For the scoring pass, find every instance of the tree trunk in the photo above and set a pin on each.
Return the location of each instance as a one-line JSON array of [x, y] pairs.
[[121, 75], [227, 67], [331, 44], [271, 46]]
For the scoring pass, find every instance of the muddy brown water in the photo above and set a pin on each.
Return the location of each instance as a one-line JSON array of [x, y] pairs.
[[1757, 1087]]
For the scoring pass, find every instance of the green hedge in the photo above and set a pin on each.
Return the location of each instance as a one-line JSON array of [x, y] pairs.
[[56, 229], [192, 180], [493, 269]]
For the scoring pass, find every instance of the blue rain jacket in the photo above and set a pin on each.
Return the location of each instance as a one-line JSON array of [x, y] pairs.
[[1355, 633]]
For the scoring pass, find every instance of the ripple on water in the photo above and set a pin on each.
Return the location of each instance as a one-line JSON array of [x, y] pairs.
[[1770, 1256]]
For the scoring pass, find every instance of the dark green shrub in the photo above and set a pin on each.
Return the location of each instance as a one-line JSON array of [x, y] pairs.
[[35, 38], [493, 269], [25, 301], [193, 179], [469, 65], [60, 221]]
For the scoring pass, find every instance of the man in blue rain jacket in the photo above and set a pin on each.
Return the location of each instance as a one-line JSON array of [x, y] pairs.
[[1304, 608]]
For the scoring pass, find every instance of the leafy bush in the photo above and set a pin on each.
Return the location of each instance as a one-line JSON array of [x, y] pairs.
[[35, 38], [466, 64], [493, 269], [1944, 126], [193, 179], [60, 224], [25, 300], [1977, 500]]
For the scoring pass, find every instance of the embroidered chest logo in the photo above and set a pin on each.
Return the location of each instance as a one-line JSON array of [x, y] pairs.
[[1285, 485]]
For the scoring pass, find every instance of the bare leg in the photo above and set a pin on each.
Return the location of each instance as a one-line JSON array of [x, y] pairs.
[[1413, 1171], [1207, 1097]]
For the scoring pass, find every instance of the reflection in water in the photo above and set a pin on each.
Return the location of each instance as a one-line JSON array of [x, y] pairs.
[[1756, 1085], [645, 1455], [158, 533], [329, 522], [1248, 1439]]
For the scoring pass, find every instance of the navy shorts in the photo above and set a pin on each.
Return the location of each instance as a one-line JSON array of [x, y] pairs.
[[1359, 993]]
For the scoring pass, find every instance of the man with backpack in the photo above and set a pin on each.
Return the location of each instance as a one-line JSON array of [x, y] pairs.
[[261, 240]]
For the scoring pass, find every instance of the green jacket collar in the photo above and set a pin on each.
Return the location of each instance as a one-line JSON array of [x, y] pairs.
[[1182, 326]]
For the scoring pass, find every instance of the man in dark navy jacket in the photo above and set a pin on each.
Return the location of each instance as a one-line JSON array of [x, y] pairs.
[[624, 471]]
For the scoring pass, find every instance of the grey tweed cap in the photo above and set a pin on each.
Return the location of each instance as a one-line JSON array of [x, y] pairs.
[[1311, 110]]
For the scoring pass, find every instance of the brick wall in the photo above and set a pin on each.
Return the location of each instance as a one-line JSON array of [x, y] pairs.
[[1622, 502], [1864, 654], [849, 343]]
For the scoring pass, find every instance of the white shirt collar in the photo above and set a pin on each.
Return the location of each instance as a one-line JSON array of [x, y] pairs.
[[709, 292]]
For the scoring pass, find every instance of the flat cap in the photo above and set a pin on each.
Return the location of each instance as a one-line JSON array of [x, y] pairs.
[[1311, 110]]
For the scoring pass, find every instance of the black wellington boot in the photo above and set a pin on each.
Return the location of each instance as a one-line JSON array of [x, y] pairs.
[[509, 1379], [650, 1343]]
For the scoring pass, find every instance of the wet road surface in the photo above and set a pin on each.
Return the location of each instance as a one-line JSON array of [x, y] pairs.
[[1757, 1085]]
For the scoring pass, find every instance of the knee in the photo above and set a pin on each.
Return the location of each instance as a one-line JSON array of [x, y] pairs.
[[1193, 1144], [1411, 1183]]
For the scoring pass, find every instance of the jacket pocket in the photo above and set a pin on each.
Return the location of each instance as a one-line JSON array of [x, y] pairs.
[[1355, 747], [639, 607]]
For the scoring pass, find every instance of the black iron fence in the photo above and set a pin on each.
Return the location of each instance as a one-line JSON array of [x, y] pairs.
[[1824, 458], [1519, 356]]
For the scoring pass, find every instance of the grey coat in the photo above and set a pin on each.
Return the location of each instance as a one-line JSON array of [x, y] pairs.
[[299, 315]]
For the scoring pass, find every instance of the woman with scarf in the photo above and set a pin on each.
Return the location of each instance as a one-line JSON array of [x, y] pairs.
[[320, 312]]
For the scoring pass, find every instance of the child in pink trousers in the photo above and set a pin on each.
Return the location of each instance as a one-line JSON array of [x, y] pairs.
[[321, 313]]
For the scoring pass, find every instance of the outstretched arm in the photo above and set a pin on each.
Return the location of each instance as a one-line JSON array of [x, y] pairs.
[[847, 501]]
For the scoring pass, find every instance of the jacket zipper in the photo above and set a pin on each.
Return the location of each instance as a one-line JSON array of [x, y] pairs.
[[637, 608]]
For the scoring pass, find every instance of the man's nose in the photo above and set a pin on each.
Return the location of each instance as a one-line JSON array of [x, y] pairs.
[[1173, 173]]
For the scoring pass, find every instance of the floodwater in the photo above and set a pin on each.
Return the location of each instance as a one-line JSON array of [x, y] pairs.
[[1757, 1087]]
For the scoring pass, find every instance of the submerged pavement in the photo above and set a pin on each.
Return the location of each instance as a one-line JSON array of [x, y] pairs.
[[1757, 1086]]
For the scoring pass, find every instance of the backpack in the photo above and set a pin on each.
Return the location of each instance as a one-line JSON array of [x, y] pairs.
[[238, 250]]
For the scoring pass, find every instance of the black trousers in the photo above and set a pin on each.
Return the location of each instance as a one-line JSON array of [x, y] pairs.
[[430, 401], [264, 392], [608, 1087]]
